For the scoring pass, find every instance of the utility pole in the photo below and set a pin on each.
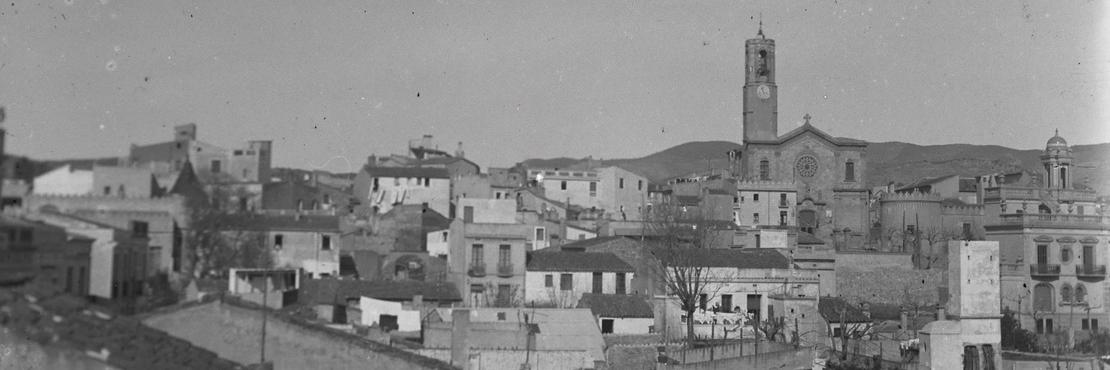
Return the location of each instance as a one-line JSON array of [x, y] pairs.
[[265, 295]]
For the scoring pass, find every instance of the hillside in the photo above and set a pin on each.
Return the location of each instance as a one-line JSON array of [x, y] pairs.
[[888, 162]]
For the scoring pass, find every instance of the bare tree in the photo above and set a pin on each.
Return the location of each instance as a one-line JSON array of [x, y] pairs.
[[214, 243], [773, 327], [932, 237], [680, 238]]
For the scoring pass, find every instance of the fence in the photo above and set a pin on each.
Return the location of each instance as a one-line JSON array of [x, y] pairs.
[[788, 358]]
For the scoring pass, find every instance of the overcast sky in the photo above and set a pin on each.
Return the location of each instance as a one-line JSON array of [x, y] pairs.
[[332, 82]]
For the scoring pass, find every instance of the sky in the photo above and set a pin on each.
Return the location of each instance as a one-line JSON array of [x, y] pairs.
[[333, 82]]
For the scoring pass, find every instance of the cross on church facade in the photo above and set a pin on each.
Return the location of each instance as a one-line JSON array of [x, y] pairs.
[[806, 117]]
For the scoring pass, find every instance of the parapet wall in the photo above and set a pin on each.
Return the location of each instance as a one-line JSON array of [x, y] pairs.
[[173, 204]]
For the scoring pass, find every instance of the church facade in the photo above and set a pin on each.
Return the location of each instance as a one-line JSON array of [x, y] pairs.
[[827, 172]]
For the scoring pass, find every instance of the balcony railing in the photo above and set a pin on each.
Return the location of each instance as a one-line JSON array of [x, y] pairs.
[[477, 270], [1045, 219], [1044, 270], [504, 269], [1090, 270]]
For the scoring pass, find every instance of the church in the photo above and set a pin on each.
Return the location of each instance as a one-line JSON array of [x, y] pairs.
[[826, 171]]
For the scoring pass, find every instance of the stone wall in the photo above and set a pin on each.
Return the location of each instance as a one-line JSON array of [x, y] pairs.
[[892, 285], [784, 359], [234, 333]]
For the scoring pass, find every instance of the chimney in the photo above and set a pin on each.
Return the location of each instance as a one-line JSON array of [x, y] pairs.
[[905, 319], [459, 152], [460, 346], [941, 314]]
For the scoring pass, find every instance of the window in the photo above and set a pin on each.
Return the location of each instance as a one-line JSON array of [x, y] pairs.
[[764, 170], [593, 189], [548, 280], [621, 288], [505, 255], [726, 302], [967, 231], [1065, 254], [782, 218], [757, 241], [540, 234], [122, 192], [1043, 298], [640, 185], [215, 166], [1065, 293], [597, 283], [563, 185], [237, 152], [69, 279], [1085, 325], [566, 281], [606, 326], [782, 200], [468, 214], [139, 229], [375, 184], [427, 182], [1080, 293], [476, 256], [107, 190], [755, 218], [325, 242], [620, 183], [850, 172], [443, 236], [755, 197], [703, 301], [279, 240]]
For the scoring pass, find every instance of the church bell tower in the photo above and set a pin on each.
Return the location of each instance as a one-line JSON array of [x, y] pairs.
[[761, 107]]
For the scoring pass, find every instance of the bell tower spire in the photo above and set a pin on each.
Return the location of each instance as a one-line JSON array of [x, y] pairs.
[[760, 92]]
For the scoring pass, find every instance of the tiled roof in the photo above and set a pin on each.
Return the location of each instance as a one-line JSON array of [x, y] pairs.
[[735, 258], [830, 307], [805, 238], [321, 223], [807, 127], [688, 200], [71, 323], [331, 291], [404, 172], [616, 305], [585, 243], [434, 221], [576, 261]]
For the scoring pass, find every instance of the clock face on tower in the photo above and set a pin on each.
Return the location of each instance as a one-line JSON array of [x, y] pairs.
[[763, 92], [806, 166]]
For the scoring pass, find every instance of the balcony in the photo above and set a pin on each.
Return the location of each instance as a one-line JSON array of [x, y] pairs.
[[1090, 271], [477, 270], [505, 269], [1044, 270]]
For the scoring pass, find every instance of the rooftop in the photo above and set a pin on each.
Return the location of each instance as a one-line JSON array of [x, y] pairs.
[[405, 172], [727, 258], [576, 261], [332, 291], [294, 222], [616, 305]]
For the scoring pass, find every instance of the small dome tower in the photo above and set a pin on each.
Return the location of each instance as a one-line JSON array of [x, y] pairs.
[[1057, 159]]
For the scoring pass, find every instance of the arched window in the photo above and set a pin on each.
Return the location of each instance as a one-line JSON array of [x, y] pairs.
[[764, 170], [1080, 293], [1043, 299], [1065, 293], [850, 172], [1044, 209]]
